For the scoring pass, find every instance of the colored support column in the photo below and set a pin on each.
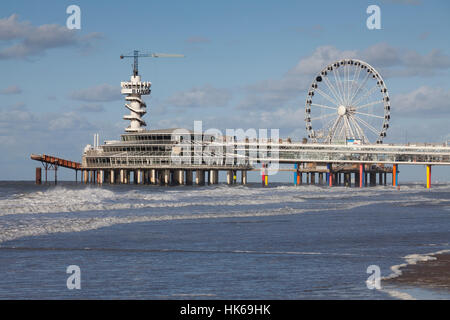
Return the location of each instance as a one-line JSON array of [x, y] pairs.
[[361, 175], [428, 176], [394, 175], [296, 174], [263, 174], [329, 175]]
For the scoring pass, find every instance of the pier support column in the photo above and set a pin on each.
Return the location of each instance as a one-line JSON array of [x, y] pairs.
[[101, 176], [38, 175], [234, 176], [385, 178], [357, 179], [229, 177], [153, 176], [313, 178], [216, 176], [395, 175], [146, 177], [320, 178], [211, 176], [138, 176], [166, 177], [428, 176], [373, 181], [380, 178], [296, 174], [244, 177], [180, 177], [111, 176], [85, 176], [329, 175], [189, 177], [199, 177]]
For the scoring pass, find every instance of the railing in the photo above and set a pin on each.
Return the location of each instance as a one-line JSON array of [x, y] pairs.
[[246, 154]]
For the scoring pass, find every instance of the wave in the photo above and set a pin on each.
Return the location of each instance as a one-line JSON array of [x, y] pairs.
[[62, 199], [41, 226]]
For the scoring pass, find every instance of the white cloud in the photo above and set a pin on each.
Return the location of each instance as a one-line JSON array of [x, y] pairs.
[[11, 90], [91, 107], [388, 60], [197, 39], [29, 40], [422, 102], [99, 93], [205, 97]]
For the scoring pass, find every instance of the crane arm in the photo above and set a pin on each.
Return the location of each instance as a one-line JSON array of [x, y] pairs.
[[136, 55]]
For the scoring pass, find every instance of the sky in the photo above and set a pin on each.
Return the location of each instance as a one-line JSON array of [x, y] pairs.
[[247, 64]]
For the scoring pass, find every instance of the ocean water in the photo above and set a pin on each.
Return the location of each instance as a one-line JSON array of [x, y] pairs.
[[215, 242]]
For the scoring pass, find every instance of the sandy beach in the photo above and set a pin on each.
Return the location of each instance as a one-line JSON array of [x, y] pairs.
[[433, 274]]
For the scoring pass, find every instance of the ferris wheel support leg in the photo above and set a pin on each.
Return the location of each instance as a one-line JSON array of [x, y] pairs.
[[428, 176]]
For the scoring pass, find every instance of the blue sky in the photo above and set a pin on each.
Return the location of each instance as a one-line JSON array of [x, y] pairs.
[[247, 65]]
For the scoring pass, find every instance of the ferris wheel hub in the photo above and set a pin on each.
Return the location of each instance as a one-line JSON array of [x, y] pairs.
[[342, 110]]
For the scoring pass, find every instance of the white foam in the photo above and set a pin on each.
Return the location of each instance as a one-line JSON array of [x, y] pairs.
[[411, 260], [399, 295], [39, 226]]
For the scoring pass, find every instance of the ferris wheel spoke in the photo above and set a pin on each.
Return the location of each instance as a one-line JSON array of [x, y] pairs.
[[328, 124], [368, 114], [367, 125], [339, 83], [348, 82], [326, 96], [369, 104], [332, 89], [323, 106], [366, 95], [355, 77], [359, 88], [349, 127], [333, 127], [358, 129], [342, 131]]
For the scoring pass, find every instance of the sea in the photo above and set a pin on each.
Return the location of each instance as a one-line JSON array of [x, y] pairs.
[[216, 242]]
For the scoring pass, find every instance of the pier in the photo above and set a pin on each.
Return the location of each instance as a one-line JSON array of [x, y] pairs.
[[340, 150]]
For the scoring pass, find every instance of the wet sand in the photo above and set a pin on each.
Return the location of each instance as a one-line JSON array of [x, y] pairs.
[[433, 274]]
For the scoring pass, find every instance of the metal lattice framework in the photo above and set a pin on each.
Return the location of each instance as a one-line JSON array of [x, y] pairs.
[[347, 102]]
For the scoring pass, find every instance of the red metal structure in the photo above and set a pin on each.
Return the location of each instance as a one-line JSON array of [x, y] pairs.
[[52, 163]]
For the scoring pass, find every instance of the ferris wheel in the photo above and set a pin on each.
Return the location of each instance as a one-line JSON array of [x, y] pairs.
[[347, 102]]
